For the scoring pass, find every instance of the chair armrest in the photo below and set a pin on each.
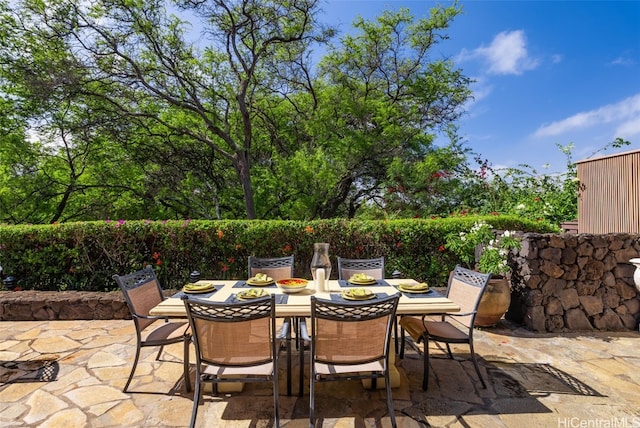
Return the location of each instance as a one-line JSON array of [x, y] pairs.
[[151, 317], [460, 314]]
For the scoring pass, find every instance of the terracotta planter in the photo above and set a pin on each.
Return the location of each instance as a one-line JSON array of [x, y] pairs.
[[494, 303]]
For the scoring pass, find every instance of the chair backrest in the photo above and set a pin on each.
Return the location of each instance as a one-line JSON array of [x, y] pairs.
[[351, 333], [233, 334], [277, 268], [465, 289], [142, 292], [372, 267]]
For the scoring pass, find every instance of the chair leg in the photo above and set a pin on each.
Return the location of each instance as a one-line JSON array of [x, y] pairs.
[[288, 340], [392, 413], [196, 400], [300, 341], [187, 378], [425, 373], [475, 364], [159, 352], [449, 351], [311, 399], [276, 404], [133, 368], [395, 334], [302, 336]]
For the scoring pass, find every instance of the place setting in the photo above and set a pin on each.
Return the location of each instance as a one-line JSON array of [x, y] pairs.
[[259, 280], [357, 294], [415, 289], [202, 290], [358, 279], [255, 293]]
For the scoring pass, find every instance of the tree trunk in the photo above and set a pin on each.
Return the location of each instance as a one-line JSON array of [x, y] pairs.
[[242, 166]]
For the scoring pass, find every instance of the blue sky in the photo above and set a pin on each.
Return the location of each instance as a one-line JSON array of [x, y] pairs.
[[546, 72]]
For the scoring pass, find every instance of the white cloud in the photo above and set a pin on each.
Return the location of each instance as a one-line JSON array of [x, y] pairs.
[[481, 89], [507, 54], [626, 112], [628, 129], [621, 60]]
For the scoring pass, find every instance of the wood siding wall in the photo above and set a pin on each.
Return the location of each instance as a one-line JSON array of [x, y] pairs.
[[609, 199]]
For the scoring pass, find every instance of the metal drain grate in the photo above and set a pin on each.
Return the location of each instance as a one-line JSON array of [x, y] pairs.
[[28, 371]]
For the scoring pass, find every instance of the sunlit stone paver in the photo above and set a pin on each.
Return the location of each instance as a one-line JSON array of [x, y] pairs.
[[69, 418], [42, 405], [50, 345], [92, 395]]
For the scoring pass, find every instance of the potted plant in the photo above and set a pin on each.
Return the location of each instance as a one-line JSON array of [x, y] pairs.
[[482, 249]]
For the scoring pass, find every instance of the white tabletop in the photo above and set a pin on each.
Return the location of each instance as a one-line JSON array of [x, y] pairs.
[[299, 304]]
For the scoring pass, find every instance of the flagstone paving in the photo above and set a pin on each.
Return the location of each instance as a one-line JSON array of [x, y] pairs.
[[70, 374]]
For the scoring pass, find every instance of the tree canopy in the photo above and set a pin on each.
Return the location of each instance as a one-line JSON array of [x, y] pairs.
[[227, 109]]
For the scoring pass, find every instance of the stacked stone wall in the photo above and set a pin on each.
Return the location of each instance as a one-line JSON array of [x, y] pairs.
[[30, 305], [571, 282]]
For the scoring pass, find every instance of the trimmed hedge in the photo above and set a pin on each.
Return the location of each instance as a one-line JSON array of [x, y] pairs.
[[84, 255]]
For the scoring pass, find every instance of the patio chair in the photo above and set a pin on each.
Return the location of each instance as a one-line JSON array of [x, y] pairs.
[[465, 289], [280, 268], [235, 342], [372, 267], [350, 340], [277, 267], [142, 292]]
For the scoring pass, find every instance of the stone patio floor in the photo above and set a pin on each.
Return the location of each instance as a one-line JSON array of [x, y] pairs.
[[70, 374]]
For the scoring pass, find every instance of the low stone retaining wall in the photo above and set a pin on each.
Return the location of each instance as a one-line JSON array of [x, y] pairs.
[[33, 305], [573, 282]]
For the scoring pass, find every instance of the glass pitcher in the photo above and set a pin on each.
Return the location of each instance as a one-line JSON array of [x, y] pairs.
[[321, 260]]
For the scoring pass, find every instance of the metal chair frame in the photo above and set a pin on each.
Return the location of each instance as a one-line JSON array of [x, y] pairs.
[[465, 288], [347, 267], [145, 281], [281, 268], [276, 267], [203, 316], [373, 267], [342, 367]]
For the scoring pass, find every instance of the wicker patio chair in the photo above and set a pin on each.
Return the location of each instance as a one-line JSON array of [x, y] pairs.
[[465, 289], [142, 292]]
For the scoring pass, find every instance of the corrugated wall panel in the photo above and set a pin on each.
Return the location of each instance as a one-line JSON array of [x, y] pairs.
[[610, 194]]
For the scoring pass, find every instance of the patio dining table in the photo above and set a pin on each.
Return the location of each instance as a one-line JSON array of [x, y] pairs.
[[296, 305], [299, 304]]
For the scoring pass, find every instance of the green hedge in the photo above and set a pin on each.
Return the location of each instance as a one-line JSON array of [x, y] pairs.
[[84, 256]]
